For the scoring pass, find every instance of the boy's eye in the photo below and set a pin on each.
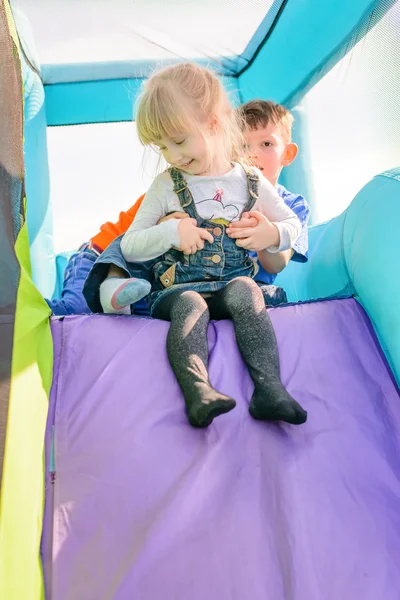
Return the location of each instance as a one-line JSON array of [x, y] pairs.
[[267, 144]]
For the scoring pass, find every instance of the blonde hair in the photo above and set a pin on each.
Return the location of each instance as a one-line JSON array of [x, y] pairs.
[[180, 99], [259, 113]]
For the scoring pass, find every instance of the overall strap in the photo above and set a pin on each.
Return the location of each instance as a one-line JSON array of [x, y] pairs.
[[252, 184], [181, 188]]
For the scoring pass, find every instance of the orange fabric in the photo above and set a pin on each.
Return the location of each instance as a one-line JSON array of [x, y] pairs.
[[109, 231]]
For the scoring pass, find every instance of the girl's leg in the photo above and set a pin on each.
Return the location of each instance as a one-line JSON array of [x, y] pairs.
[[187, 349], [118, 292], [243, 302], [102, 289]]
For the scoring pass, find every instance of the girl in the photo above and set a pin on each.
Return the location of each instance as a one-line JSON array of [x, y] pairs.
[[202, 272]]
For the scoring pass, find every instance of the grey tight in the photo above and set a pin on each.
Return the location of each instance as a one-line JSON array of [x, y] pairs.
[[242, 301]]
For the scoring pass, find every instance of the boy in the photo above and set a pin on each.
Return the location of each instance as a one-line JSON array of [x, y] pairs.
[[268, 136], [270, 147]]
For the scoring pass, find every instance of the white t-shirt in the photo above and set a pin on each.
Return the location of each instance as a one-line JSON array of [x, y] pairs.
[[219, 197]]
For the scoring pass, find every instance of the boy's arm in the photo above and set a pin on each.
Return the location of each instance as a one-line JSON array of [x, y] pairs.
[[275, 263], [278, 214]]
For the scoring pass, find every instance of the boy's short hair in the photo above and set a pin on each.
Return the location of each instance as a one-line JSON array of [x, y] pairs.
[[259, 113]]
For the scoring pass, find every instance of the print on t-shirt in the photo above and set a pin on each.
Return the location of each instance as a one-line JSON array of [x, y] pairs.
[[214, 208]]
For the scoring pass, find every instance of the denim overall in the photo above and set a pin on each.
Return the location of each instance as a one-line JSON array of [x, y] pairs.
[[210, 269]]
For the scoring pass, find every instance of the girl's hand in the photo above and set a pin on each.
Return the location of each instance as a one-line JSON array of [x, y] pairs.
[[175, 215], [191, 237], [255, 237]]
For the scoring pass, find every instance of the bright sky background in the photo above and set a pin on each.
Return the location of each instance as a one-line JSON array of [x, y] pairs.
[[96, 171], [354, 118]]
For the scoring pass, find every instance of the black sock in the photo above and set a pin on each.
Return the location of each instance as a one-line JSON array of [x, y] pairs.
[[202, 408], [276, 404], [243, 302]]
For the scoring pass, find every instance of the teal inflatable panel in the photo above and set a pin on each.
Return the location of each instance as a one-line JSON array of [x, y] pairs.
[[325, 275], [91, 101], [304, 45], [298, 176], [130, 69], [105, 101], [356, 254], [371, 249], [38, 206]]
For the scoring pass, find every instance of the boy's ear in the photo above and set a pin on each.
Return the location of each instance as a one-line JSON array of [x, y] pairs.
[[290, 154]]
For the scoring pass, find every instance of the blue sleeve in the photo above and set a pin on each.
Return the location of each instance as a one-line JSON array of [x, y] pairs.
[[72, 301], [302, 210]]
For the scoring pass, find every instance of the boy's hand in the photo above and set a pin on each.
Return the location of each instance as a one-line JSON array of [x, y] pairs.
[[191, 237], [254, 236], [245, 221], [174, 215]]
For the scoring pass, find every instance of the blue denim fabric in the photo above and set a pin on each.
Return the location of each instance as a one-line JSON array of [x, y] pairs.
[[112, 255], [210, 269]]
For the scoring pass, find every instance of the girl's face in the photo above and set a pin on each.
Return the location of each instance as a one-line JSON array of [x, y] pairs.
[[188, 152], [198, 153]]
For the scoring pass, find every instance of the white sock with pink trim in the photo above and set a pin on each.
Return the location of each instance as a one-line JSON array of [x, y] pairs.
[[117, 294]]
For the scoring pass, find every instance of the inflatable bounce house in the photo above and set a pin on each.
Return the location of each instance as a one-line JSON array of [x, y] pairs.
[[106, 492]]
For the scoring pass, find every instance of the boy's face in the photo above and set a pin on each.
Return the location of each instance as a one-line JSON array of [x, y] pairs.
[[269, 151]]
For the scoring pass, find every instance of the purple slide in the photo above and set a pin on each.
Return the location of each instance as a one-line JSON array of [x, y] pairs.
[[141, 506]]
